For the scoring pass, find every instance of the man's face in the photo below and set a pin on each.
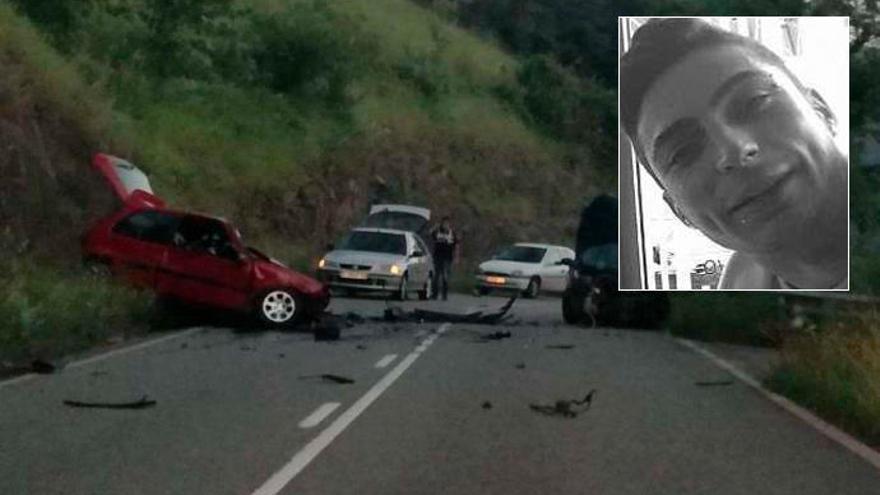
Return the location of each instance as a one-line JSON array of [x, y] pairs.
[[738, 147]]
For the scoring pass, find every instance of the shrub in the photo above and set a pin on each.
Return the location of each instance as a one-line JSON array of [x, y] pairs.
[[745, 318], [311, 52], [835, 371], [47, 314]]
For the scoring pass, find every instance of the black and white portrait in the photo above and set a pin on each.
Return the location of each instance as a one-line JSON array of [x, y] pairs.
[[734, 161]]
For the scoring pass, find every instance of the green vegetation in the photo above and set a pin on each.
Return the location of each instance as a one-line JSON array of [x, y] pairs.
[[288, 117], [744, 318], [836, 372], [46, 314]]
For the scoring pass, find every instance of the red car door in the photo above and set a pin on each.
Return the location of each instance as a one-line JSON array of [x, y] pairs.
[[138, 243], [204, 265]]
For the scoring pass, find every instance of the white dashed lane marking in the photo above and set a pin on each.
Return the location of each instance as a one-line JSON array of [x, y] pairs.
[[320, 413], [385, 361], [304, 457]]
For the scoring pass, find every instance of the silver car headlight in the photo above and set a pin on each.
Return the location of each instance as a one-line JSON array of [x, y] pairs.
[[393, 269], [325, 263]]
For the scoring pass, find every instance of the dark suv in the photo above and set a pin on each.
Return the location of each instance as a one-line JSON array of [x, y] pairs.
[[592, 288]]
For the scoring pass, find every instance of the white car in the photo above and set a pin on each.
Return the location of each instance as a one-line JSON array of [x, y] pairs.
[[378, 257], [525, 267]]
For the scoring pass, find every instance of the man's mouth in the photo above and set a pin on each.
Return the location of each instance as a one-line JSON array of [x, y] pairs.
[[758, 200]]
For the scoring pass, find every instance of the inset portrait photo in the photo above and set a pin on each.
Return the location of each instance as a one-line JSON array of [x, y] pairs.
[[734, 166]]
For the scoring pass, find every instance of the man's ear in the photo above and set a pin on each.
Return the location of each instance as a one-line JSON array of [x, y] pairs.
[[672, 206], [821, 106]]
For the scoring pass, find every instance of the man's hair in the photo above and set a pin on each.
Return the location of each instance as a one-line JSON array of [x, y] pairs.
[[658, 45]]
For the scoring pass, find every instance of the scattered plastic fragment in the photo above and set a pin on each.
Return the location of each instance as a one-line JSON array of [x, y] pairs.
[[566, 408], [342, 380], [143, 403]]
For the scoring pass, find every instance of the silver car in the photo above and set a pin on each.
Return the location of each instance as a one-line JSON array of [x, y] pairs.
[[384, 255]]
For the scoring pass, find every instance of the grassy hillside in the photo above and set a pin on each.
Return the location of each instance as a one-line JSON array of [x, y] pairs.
[[288, 117]]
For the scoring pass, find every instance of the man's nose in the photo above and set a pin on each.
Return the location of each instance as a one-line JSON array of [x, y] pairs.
[[739, 150]]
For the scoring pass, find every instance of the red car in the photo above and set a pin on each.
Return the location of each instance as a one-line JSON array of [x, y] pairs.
[[191, 257]]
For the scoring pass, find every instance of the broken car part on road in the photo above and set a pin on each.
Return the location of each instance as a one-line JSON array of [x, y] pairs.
[[341, 380], [143, 403], [566, 408], [397, 314]]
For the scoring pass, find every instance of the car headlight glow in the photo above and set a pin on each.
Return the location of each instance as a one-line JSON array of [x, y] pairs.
[[394, 270], [322, 263]]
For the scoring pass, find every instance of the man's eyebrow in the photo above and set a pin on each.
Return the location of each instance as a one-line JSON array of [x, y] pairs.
[[733, 81], [677, 128]]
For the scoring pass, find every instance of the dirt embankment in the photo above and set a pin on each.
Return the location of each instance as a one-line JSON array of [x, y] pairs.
[[48, 193]]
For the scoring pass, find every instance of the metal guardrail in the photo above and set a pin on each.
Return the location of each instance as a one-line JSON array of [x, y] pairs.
[[834, 296], [819, 305]]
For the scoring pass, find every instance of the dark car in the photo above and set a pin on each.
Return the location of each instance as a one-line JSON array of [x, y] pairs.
[[191, 257], [592, 288]]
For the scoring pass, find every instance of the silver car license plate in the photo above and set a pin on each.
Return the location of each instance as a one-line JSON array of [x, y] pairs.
[[353, 275]]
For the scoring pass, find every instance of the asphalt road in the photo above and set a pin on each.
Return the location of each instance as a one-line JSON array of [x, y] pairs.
[[433, 409]]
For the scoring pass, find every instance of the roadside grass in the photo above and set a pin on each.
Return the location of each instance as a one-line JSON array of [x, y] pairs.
[[740, 318], [47, 313], [835, 371]]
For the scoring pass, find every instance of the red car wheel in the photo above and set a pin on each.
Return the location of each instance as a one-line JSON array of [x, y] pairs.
[[279, 307]]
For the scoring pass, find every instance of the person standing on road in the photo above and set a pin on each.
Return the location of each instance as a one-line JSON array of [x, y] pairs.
[[445, 242]]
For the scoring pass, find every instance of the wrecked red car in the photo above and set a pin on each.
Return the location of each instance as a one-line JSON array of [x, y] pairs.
[[191, 257]]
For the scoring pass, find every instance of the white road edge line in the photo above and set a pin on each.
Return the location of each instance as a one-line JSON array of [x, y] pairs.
[[385, 361], [320, 413], [308, 453], [106, 355], [845, 439]]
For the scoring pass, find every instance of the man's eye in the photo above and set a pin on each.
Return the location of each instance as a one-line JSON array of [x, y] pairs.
[[756, 104], [685, 155]]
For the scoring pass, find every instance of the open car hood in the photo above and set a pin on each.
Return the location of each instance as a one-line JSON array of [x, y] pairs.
[[399, 217], [127, 182]]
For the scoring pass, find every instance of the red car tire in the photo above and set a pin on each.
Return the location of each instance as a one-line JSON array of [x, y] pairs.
[[279, 307]]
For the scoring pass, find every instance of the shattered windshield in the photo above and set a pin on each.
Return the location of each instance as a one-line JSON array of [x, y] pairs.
[[376, 242], [523, 254]]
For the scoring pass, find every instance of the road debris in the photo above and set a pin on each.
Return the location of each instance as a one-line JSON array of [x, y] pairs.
[[395, 313], [360, 347], [143, 403], [341, 380], [566, 408], [327, 327], [487, 405], [560, 346], [352, 319], [714, 383], [495, 335], [520, 366], [281, 355]]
